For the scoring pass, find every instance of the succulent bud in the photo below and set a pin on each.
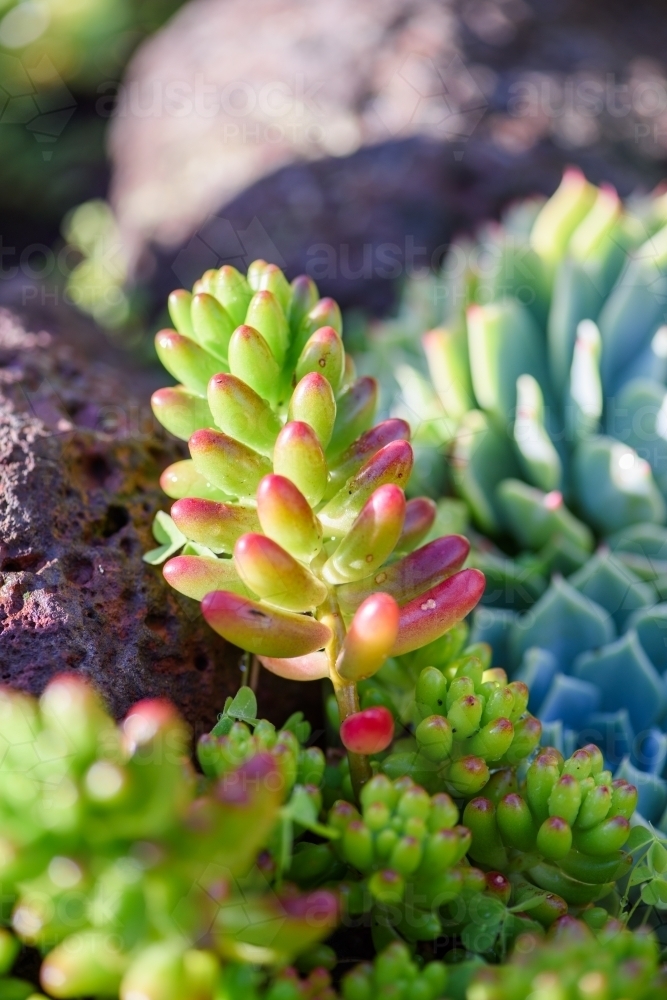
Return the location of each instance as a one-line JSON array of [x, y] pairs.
[[276, 576], [368, 732], [241, 413], [228, 464], [251, 360]]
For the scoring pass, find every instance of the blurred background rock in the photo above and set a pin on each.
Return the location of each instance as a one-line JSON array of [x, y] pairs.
[[349, 139]]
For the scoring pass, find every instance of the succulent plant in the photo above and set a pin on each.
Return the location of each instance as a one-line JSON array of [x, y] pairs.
[[127, 871], [244, 983], [545, 408], [467, 720], [564, 825], [547, 364], [593, 658], [291, 512], [134, 876], [575, 962], [409, 848], [238, 737], [394, 975]]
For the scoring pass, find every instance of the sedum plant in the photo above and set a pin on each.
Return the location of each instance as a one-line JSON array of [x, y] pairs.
[[394, 975], [467, 720], [563, 824], [545, 407], [461, 718], [577, 963], [135, 876], [131, 875], [295, 532], [409, 849]]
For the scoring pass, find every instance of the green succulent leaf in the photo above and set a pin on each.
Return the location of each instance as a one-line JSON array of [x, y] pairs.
[[244, 706], [170, 537]]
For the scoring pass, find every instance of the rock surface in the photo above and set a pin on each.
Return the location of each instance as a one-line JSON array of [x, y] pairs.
[[80, 457]]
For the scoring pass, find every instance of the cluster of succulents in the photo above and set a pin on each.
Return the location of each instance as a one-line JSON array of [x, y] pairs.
[[563, 824], [408, 846], [127, 871], [245, 983], [395, 976], [291, 512], [588, 684], [574, 963], [291, 526], [541, 400], [468, 719]]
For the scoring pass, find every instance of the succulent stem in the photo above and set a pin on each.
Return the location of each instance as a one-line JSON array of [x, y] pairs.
[[346, 691]]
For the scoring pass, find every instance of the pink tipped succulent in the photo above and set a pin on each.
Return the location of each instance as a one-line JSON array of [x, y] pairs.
[[291, 513]]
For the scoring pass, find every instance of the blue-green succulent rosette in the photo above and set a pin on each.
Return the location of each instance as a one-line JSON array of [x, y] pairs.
[[592, 652], [546, 413]]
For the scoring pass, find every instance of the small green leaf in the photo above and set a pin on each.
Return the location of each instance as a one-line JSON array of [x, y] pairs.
[[244, 706], [296, 724], [479, 939], [224, 723], [223, 726], [301, 809], [657, 857], [286, 837], [487, 911], [170, 537], [157, 556], [640, 873], [639, 837], [655, 893], [165, 530]]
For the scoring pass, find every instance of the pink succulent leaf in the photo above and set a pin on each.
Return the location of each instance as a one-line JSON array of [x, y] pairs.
[[311, 667], [370, 638], [369, 731], [430, 615], [261, 629], [276, 576], [411, 576], [419, 518], [371, 539]]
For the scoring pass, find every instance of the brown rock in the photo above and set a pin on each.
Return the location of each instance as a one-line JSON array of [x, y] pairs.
[[80, 457]]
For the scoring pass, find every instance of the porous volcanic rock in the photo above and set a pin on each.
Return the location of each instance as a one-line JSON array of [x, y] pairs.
[[80, 457]]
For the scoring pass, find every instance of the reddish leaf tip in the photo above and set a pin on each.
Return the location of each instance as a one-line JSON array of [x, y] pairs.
[[369, 731]]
